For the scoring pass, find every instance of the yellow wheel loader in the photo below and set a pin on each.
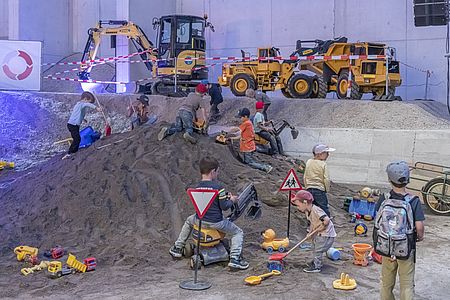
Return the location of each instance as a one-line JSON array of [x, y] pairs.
[[268, 74], [368, 75], [180, 50]]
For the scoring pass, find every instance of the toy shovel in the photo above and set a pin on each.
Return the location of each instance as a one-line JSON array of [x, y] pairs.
[[254, 280], [280, 256]]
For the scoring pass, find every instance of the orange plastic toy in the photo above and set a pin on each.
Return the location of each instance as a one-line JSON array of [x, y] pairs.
[[361, 252]]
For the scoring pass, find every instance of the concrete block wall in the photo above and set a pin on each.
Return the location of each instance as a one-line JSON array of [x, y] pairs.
[[250, 24], [362, 154]]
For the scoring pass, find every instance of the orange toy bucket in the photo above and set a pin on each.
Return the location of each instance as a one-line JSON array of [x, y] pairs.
[[361, 251]]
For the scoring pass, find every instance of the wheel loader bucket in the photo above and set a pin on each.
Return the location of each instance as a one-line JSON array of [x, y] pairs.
[[294, 133]]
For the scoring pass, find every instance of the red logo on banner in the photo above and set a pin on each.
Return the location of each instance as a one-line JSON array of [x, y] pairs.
[[17, 76], [202, 199]]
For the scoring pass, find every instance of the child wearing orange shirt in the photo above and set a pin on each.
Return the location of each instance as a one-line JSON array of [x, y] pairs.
[[247, 142]]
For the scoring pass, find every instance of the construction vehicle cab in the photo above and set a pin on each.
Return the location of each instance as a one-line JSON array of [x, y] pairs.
[[213, 244], [180, 49], [368, 75]]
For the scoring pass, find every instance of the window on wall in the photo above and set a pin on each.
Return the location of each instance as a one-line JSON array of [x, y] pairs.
[[183, 31]]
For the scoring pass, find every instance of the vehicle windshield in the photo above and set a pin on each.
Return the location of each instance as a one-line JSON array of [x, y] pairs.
[[376, 50], [166, 29], [197, 28], [183, 31]]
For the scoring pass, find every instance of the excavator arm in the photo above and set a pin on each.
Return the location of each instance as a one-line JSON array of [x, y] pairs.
[[122, 28]]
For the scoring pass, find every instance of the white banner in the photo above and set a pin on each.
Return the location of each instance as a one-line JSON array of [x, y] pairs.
[[20, 65]]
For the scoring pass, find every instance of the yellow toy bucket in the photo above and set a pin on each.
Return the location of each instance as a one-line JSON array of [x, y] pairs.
[[361, 251]]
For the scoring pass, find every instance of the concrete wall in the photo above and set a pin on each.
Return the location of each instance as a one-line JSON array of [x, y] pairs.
[[48, 22], [4, 20], [362, 154], [254, 23]]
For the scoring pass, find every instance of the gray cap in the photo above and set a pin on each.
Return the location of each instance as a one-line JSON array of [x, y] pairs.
[[320, 148], [398, 172]]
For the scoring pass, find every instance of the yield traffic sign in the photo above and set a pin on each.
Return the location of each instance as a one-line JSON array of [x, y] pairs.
[[291, 182], [202, 199]]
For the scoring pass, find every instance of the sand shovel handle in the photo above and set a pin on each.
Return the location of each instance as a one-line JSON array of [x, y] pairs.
[[274, 272], [302, 241], [101, 106]]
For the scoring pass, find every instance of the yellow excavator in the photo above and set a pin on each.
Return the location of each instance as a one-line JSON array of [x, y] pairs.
[[180, 50]]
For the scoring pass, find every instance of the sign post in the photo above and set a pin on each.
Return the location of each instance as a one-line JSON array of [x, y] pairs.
[[202, 199], [290, 183]]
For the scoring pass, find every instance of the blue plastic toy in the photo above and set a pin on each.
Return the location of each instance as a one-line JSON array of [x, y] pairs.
[[88, 137], [362, 207]]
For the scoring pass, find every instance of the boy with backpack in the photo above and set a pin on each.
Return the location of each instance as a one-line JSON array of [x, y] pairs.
[[398, 226]]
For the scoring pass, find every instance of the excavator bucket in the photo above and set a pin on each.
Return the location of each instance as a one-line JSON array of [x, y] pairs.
[[254, 212], [294, 133]]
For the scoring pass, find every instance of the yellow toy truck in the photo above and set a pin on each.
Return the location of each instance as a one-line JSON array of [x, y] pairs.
[[75, 264], [56, 269], [271, 244]]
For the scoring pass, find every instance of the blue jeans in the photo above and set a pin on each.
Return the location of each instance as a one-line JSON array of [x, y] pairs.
[[184, 121], [320, 199], [274, 140], [250, 160], [225, 226]]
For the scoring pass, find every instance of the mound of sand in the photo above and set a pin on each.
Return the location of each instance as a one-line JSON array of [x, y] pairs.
[[116, 201]]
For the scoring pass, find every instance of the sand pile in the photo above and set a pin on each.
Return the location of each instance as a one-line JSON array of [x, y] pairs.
[[118, 202]]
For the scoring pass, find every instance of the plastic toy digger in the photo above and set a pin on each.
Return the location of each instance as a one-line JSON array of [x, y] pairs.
[[254, 280], [74, 263], [23, 251], [262, 145], [6, 164], [39, 267], [213, 247]]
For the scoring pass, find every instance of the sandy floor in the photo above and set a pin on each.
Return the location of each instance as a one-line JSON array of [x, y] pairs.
[[125, 203]]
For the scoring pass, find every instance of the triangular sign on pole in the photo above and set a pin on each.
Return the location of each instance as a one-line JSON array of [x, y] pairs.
[[291, 182], [202, 199]]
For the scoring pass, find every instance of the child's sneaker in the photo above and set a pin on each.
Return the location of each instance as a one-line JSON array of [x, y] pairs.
[[176, 252], [311, 269], [188, 137], [162, 133], [238, 263]]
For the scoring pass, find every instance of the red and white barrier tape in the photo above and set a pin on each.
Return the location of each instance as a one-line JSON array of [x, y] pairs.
[[96, 60], [227, 58]]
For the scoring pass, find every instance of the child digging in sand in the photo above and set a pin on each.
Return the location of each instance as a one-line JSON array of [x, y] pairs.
[[318, 219]]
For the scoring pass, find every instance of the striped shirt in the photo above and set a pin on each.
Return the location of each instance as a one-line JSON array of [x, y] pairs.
[[221, 203]]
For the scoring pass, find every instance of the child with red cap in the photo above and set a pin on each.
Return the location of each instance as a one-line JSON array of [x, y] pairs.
[[324, 238], [266, 131], [193, 108]]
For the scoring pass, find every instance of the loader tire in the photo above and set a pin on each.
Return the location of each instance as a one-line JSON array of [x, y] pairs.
[[319, 88], [315, 88], [342, 85], [240, 83], [299, 86], [285, 93]]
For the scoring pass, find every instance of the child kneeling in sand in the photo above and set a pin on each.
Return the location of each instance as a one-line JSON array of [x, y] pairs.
[[209, 169], [318, 219]]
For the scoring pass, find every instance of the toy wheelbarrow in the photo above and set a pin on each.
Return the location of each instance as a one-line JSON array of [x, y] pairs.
[[254, 280]]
